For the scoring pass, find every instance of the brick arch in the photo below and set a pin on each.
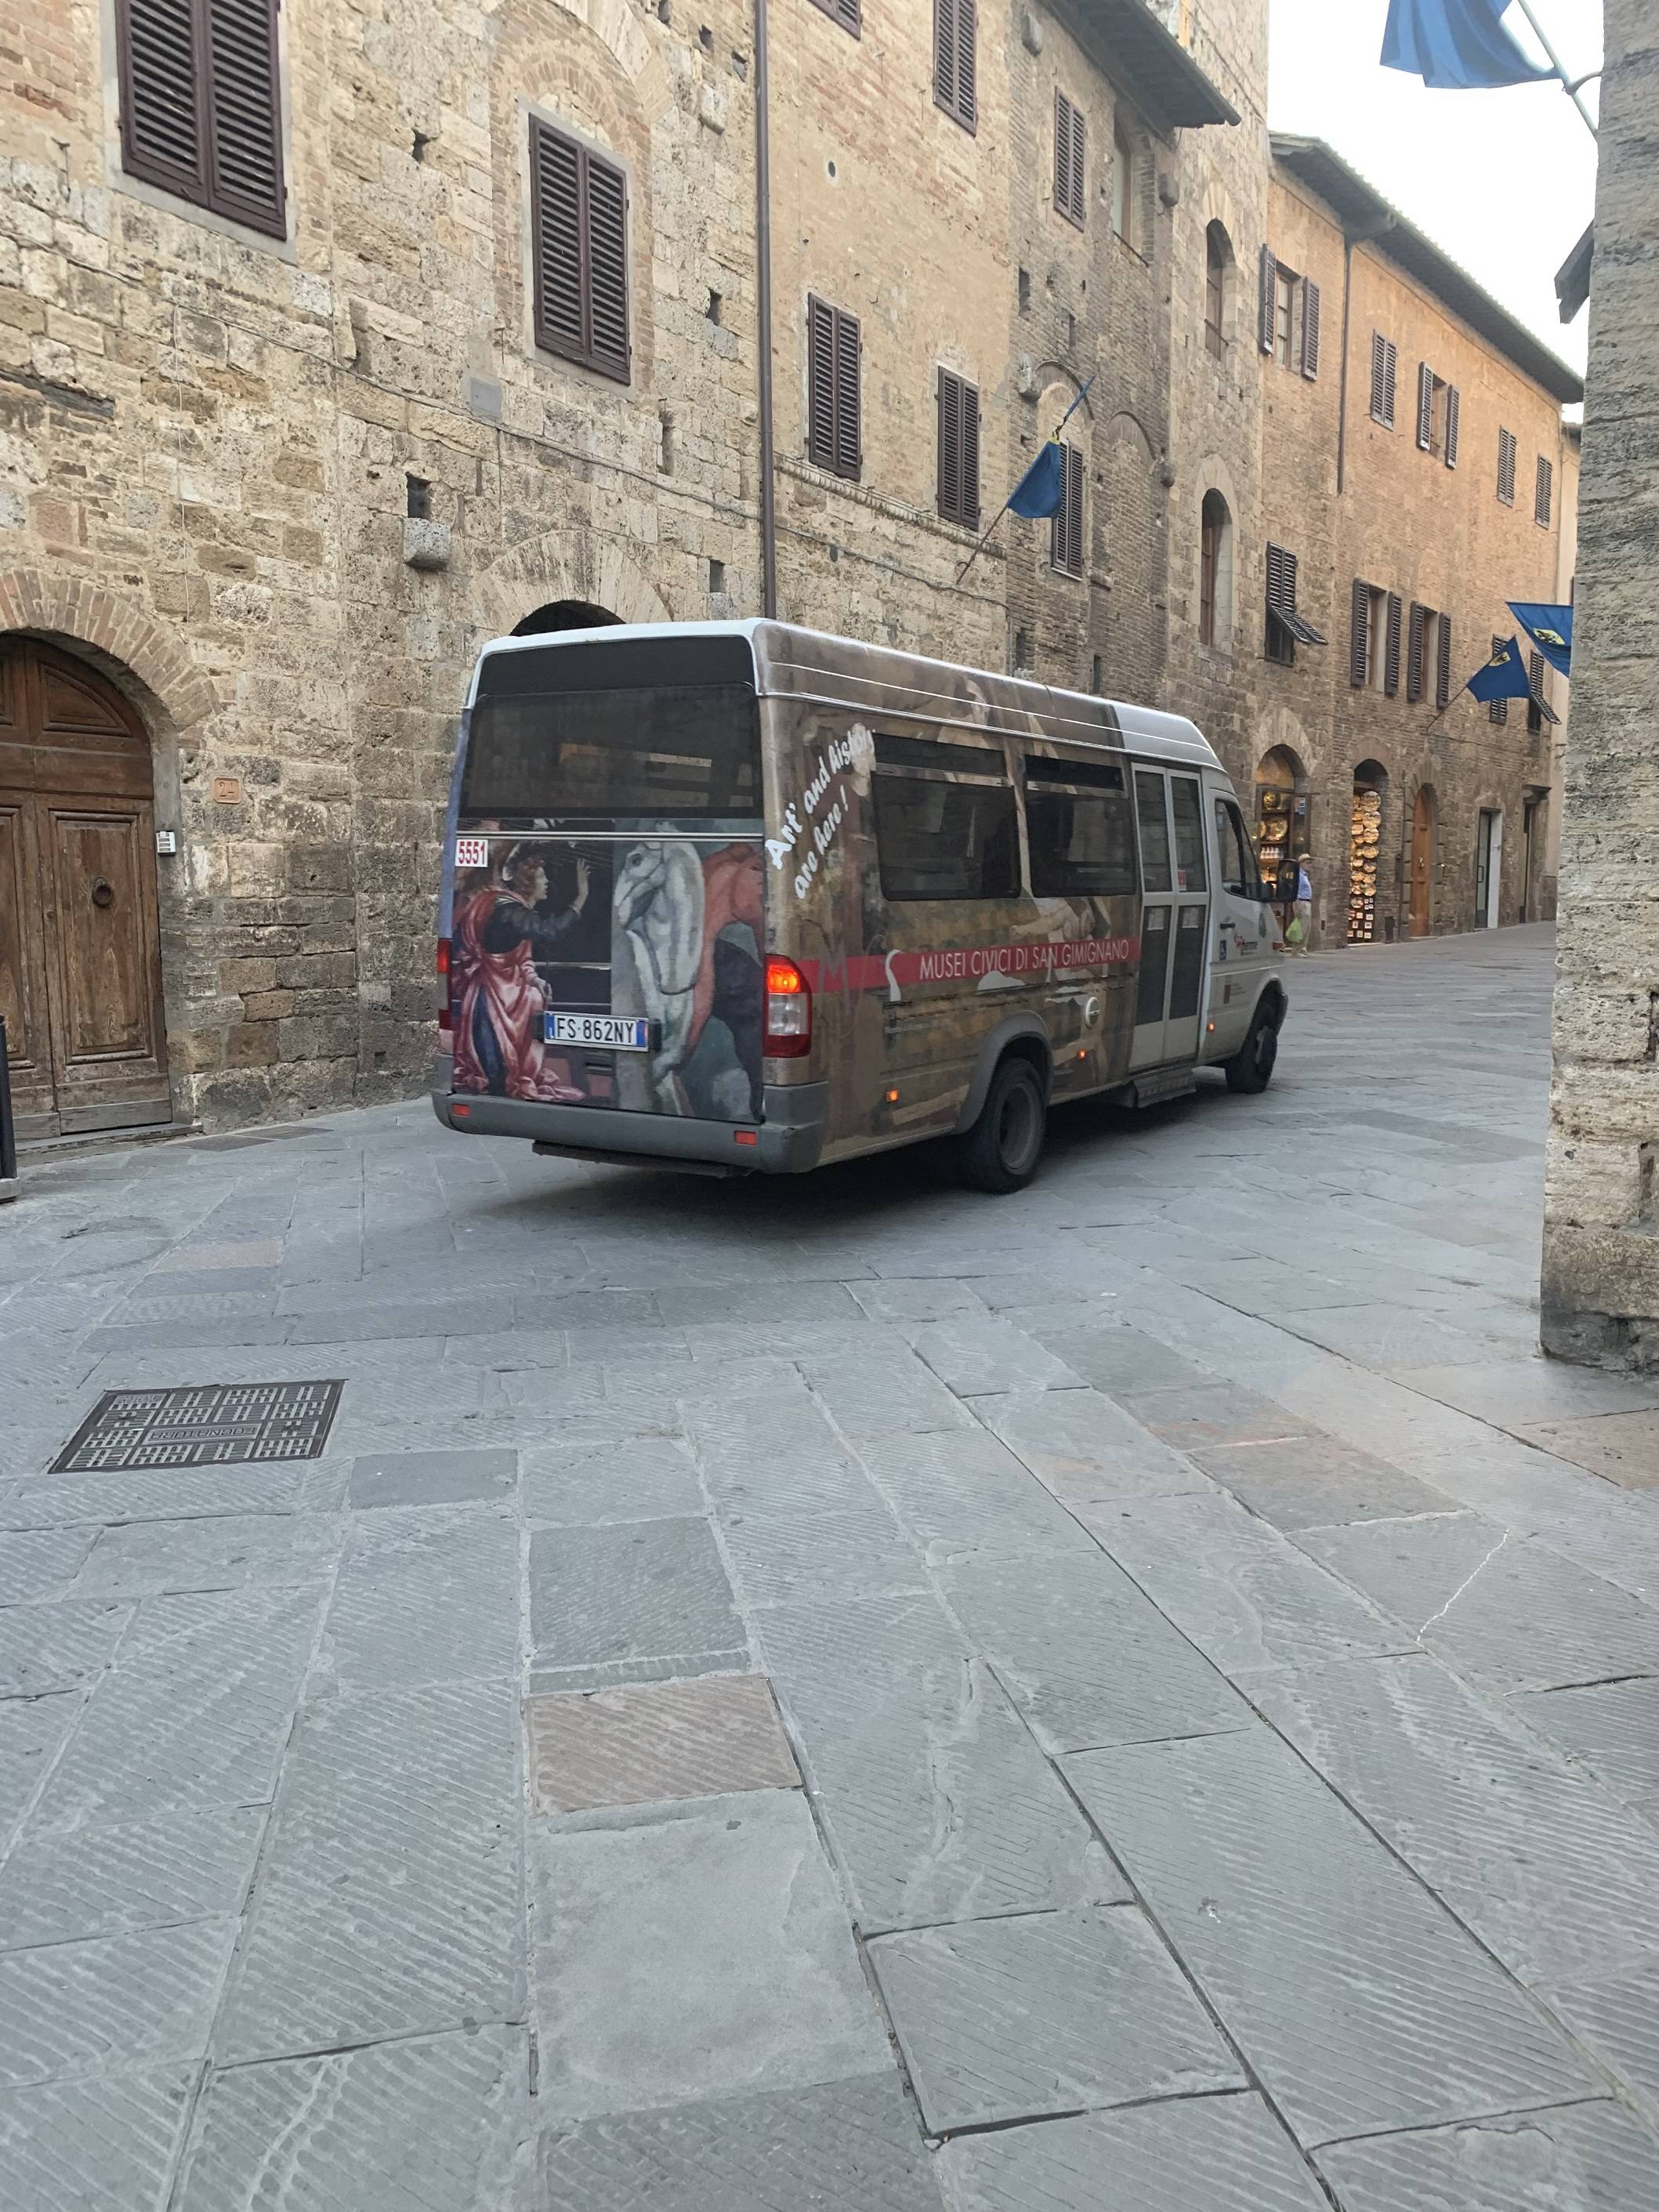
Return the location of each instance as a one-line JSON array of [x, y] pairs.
[[618, 29], [565, 564], [1280, 730], [115, 634]]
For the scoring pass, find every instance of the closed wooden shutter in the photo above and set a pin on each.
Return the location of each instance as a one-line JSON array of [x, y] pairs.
[[1443, 671], [833, 412], [1454, 412], [1384, 356], [1508, 446], [1424, 406], [579, 253], [1310, 305], [1419, 616], [958, 450], [1391, 646], [847, 13], [956, 59], [1066, 533], [1359, 636], [1266, 299], [1534, 707], [1070, 160], [1544, 499], [1498, 710], [201, 103]]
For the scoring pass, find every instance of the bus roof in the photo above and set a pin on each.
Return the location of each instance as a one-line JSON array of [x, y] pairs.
[[814, 665]]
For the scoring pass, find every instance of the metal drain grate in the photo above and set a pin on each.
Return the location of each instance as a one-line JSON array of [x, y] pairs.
[[204, 1426]]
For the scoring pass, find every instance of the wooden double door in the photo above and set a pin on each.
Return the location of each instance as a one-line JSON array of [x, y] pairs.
[[80, 952]]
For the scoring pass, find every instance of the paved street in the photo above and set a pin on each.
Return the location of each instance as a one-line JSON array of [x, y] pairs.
[[1211, 1756]]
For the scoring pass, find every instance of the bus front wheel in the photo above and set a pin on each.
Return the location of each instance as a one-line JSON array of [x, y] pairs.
[[1251, 1067], [1000, 1153]]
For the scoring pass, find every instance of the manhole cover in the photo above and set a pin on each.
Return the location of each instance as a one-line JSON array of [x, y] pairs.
[[201, 1426]]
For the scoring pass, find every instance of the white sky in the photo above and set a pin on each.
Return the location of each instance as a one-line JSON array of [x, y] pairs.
[[1503, 181]]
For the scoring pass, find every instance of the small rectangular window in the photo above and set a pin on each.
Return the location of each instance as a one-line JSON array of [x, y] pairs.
[[934, 758], [833, 398], [937, 840], [1384, 371], [1508, 450], [1071, 164], [201, 104], [1544, 499], [1286, 282], [848, 13], [956, 60], [1154, 828], [1066, 533], [958, 450], [579, 253], [1192, 869]]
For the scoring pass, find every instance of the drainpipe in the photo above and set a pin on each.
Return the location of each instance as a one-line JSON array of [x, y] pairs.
[[768, 518]]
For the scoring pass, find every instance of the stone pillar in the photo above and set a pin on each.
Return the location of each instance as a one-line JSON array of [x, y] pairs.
[[1601, 1282]]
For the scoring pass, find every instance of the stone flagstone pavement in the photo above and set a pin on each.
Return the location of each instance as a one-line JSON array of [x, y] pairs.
[[1142, 1697]]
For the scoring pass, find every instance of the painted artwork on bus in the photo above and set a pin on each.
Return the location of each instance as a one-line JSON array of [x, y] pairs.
[[667, 929]]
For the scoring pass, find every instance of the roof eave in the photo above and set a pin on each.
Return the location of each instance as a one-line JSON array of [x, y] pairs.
[[1162, 78]]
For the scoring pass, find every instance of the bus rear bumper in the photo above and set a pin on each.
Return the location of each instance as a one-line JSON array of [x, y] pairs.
[[787, 1141]]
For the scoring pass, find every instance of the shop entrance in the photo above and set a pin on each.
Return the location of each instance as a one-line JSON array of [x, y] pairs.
[[79, 954], [1421, 917], [1371, 784], [1282, 819]]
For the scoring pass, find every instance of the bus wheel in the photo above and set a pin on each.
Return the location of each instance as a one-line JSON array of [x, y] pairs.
[[1251, 1067], [1000, 1153]]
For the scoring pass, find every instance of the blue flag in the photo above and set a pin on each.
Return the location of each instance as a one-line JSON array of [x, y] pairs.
[[1505, 676], [1549, 630], [1042, 489], [1457, 46]]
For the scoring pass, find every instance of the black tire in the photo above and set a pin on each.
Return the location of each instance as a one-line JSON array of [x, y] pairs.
[[1251, 1067], [1000, 1153]]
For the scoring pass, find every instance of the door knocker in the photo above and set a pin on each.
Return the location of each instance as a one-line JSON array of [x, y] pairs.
[[103, 894]]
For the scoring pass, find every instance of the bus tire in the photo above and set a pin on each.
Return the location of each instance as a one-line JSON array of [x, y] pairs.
[[1251, 1067], [1000, 1153]]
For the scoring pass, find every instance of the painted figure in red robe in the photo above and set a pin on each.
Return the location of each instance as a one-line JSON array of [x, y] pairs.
[[498, 938]]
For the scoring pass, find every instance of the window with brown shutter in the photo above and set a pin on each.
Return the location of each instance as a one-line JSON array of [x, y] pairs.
[[201, 104], [1443, 665], [832, 389], [958, 450], [579, 253], [1508, 449], [1384, 358], [1359, 636], [1071, 164], [1498, 710], [1287, 627], [1453, 417], [1424, 406], [1544, 498], [1311, 306], [1217, 256], [956, 60], [1266, 300], [847, 13], [1419, 618], [1065, 531], [1535, 704], [1391, 646]]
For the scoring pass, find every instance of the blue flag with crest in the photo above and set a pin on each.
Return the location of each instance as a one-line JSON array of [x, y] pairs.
[[1506, 675], [1549, 630], [1457, 46]]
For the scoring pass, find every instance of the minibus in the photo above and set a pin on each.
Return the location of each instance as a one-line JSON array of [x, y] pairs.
[[739, 898]]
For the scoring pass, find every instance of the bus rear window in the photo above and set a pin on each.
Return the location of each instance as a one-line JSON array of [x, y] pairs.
[[677, 752]]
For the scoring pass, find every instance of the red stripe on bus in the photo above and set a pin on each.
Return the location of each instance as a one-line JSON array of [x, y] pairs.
[[875, 971]]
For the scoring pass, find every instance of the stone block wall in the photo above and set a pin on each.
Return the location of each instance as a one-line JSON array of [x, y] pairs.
[[1601, 1283]]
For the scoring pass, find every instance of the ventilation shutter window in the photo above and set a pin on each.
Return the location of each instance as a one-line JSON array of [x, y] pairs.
[[1453, 413], [1498, 710], [950, 446], [1069, 162], [1443, 671], [557, 243], [849, 425], [970, 456], [954, 72], [1391, 649], [1543, 501], [847, 13], [607, 267], [1424, 406], [1384, 356], [1266, 300], [821, 383], [1359, 637], [1080, 167], [1414, 653], [163, 87], [1066, 535], [243, 105], [1309, 328], [1507, 450]]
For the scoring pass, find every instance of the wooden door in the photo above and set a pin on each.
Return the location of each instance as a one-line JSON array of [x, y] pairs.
[[80, 955], [1421, 916]]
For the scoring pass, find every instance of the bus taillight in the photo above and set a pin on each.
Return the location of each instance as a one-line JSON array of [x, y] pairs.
[[443, 972], [788, 1011]]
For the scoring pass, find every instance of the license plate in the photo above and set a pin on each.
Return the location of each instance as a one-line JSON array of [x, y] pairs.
[[610, 1033]]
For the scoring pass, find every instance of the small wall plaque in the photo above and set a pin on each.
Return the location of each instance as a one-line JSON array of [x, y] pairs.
[[227, 790]]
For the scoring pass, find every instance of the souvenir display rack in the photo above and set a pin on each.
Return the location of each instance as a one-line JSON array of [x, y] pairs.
[[1281, 828], [1365, 841]]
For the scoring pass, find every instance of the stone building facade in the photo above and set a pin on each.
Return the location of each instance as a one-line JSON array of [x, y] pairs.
[[1601, 1282], [264, 490]]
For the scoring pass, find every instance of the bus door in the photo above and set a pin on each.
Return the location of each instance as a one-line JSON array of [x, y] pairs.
[[1175, 917]]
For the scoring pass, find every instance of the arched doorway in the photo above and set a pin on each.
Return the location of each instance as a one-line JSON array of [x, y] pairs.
[[80, 951], [1421, 912], [1282, 815], [564, 614], [1371, 786]]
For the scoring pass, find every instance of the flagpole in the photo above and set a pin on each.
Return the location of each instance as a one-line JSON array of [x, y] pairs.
[[1573, 91], [1009, 502]]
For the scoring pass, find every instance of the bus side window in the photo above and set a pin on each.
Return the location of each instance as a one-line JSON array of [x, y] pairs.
[[1230, 845], [1154, 831], [1082, 840], [939, 835], [1193, 872]]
